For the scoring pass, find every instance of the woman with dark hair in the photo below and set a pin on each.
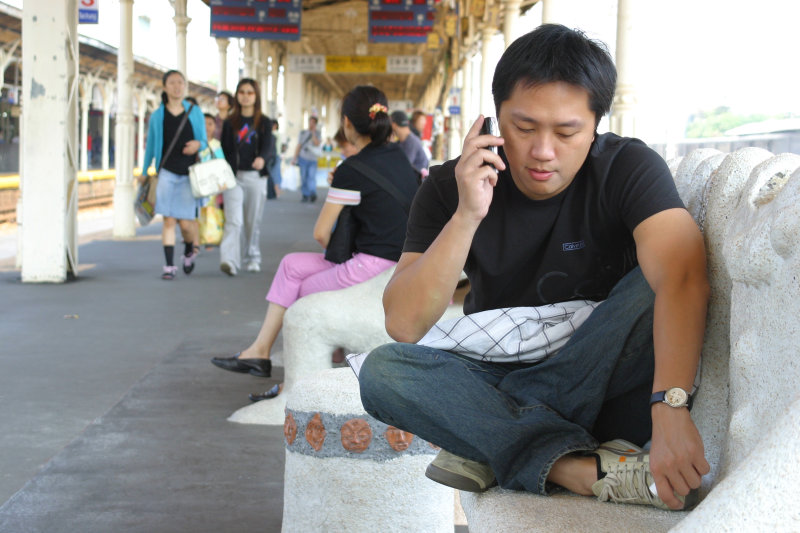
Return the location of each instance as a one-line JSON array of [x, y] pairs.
[[174, 199], [379, 239], [246, 142], [224, 104]]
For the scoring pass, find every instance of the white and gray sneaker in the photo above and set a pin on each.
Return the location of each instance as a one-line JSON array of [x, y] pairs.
[[623, 476], [459, 473]]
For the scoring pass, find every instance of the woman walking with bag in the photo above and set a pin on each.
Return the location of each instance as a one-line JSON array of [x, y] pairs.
[[246, 142], [378, 184], [174, 136]]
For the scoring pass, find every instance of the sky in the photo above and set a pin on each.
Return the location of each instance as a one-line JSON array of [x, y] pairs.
[[694, 54]]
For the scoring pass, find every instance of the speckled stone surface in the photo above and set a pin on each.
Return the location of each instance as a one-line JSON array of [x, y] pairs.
[[379, 489]]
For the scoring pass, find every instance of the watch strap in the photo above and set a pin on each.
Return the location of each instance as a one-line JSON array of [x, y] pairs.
[[658, 397]]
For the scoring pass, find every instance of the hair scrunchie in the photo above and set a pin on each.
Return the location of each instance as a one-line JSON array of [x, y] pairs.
[[375, 109]]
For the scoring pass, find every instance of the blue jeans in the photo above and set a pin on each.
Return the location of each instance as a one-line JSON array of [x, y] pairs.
[[521, 418], [308, 176]]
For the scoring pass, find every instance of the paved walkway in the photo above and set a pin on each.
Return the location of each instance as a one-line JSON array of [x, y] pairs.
[[113, 417]]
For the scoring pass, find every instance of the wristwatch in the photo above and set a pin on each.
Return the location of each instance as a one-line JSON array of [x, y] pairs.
[[674, 397]]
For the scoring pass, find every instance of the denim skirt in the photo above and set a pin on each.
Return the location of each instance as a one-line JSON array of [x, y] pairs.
[[174, 196]]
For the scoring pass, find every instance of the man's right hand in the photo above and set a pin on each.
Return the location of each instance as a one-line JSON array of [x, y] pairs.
[[474, 173]]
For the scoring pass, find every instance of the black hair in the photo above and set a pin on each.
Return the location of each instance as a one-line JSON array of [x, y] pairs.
[[356, 105], [228, 96], [167, 74], [551, 53], [209, 115], [192, 100]]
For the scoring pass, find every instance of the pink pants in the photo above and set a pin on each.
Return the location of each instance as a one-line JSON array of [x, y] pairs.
[[303, 273]]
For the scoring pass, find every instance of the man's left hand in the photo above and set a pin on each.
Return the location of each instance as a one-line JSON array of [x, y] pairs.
[[677, 459]]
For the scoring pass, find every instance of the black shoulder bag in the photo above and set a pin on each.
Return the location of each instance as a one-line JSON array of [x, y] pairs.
[[342, 244]]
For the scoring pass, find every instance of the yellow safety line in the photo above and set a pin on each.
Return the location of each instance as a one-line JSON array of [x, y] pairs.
[[11, 181]]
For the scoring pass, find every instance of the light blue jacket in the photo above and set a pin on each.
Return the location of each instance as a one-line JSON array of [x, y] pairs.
[[155, 134]]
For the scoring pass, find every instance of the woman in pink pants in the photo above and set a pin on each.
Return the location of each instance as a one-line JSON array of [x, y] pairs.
[[381, 227]]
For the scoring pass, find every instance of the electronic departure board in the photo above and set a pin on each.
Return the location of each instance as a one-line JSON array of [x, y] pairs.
[[401, 21], [276, 20]]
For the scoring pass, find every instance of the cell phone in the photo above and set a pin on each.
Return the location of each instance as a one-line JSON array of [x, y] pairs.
[[490, 127]]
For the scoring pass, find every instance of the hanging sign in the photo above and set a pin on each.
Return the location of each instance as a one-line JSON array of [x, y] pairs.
[[401, 21], [88, 12], [275, 20], [317, 64]]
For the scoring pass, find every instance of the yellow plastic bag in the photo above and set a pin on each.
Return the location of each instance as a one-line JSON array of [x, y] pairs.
[[212, 222]]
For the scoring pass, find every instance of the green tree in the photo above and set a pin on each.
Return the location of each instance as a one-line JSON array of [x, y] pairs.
[[716, 122]]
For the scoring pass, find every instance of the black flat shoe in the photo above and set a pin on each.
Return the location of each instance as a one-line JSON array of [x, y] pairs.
[[268, 395], [256, 367]]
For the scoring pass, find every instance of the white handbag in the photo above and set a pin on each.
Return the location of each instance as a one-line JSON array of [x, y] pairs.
[[211, 177]]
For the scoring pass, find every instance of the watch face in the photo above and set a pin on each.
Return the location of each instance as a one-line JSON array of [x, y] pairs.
[[676, 396]]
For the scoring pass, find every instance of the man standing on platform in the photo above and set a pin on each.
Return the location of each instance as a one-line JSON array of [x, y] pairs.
[[309, 148], [409, 142]]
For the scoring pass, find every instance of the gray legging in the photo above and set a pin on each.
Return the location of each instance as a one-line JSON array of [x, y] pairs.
[[244, 207]]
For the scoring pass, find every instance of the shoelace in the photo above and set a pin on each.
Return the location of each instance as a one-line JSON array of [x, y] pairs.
[[628, 485]]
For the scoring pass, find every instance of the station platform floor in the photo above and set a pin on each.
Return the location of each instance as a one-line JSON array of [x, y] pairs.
[[112, 416]]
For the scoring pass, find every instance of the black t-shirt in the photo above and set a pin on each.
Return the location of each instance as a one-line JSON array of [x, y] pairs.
[[242, 146], [575, 245], [177, 161], [381, 218]]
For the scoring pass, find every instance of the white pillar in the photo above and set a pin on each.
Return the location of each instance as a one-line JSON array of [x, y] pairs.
[[550, 11], [124, 193], [455, 135], [510, 21], [263, 74], [50, 152], [181, 22], [247, 54], [141, 113], [623, 110], [87, 83], [276, 76], [222, 44], [108, 100], [486, 105], [293, 101], [467, 116]]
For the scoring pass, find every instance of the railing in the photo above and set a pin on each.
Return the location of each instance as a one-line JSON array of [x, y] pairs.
[[95, 188]]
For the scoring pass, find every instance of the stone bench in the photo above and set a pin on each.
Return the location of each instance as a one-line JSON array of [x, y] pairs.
[[748, 408], [346, 471], [316, 325]]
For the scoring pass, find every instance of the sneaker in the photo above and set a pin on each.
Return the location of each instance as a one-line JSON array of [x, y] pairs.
[[623, 476], [228, 268], [169, 272], [253, 267], [459, 473], [312, 198], [188, 262]]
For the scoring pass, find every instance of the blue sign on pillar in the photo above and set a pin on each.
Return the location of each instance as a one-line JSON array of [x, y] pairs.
[[275, 20], [401, 21], [88, 12]]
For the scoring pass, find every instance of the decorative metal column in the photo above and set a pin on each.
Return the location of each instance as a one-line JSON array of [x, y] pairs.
[[50, 82], [109, 86], [124, 191], [486, 105], [222, 44], [510, 20], [181, 22], [550, 11], [623, 111]]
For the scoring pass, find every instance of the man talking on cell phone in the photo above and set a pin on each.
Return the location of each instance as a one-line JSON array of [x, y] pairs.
[[587, 305]]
